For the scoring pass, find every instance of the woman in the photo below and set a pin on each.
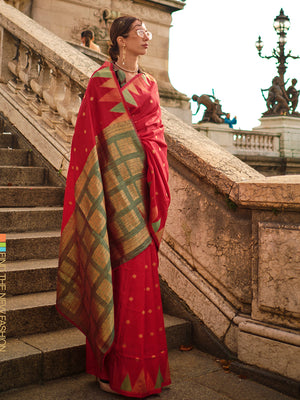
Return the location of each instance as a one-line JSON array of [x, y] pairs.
[[115, 209], [87, 40]]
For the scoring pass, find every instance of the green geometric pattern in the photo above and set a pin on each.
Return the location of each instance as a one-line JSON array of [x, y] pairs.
[[128, 97], [126, 385], [159, 380], [85, 257], [119, 108], [123, 176], [103, 73], [156, 225]]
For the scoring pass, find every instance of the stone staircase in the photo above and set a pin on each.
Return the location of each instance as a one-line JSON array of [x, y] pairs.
[[40, 344]]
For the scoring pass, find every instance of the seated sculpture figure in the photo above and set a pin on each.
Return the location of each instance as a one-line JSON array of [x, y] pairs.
[[277, 101], [213, 110]]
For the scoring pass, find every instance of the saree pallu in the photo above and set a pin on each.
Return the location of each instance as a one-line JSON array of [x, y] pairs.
[[115, 209]]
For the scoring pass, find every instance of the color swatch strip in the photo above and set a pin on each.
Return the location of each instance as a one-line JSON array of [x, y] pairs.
[[2, 243]]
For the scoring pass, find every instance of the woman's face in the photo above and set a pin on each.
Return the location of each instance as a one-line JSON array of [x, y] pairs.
[[137, 41]]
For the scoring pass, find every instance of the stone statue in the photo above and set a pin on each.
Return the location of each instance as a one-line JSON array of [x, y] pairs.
[[279, 100], [213, 110]]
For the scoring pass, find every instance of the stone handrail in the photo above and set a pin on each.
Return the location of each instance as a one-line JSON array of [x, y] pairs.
[[230, 251]]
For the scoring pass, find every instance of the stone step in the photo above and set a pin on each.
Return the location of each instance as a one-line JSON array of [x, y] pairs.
[[195, 376], [32, 245], [24, 196], [45, 356], [36, 313], [21, 176], [6, 140], [30, 276], [30, 219], [33, 313], [18, 157], [41, 357]]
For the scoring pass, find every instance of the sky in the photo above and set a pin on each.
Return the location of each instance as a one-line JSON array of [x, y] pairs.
[[212, 47]]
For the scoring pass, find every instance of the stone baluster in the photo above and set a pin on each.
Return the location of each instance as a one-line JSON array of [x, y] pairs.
[[245, 142], [68, 108], [70, 104], [264, 143], [240, 141], [255, 143], [40, 84], [265, 140], [244, 138], [52, 96], [271, 143], [26, 74], [268, 143], [276, 144], [248, 142], [14, 67], [259, 142], [8, 45]]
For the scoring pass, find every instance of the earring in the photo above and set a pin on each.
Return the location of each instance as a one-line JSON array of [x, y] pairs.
[[124, 54]]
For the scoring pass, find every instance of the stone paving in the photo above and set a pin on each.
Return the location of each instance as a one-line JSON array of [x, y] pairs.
[[195, 376]]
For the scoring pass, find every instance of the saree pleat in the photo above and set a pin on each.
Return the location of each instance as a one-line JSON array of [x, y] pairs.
[[115, 210], [137, 364]]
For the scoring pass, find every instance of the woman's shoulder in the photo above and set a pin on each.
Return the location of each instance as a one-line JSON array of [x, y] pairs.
[[103, 70], [147, 75], [149, 78]]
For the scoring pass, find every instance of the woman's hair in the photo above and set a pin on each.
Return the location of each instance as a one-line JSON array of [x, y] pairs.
[[120, 27], [87, 36]]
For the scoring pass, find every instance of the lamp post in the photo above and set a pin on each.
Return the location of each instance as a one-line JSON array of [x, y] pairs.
[[281, 25]]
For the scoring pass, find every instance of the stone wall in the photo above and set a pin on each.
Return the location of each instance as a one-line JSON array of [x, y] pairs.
[[67, 18], [230, 252]]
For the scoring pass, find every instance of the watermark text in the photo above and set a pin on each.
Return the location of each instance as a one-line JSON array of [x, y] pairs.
[[2, 292]]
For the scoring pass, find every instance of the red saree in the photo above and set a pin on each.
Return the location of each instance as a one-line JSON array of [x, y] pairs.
[[115, 209]]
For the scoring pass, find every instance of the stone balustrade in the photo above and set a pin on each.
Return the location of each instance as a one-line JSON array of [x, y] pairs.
[[46, 78], [255, 143], [241, 142], [230, 255], [44, 86]]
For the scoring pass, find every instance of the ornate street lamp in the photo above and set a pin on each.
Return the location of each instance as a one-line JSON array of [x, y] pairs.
[[281, 25], [280, 101]]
